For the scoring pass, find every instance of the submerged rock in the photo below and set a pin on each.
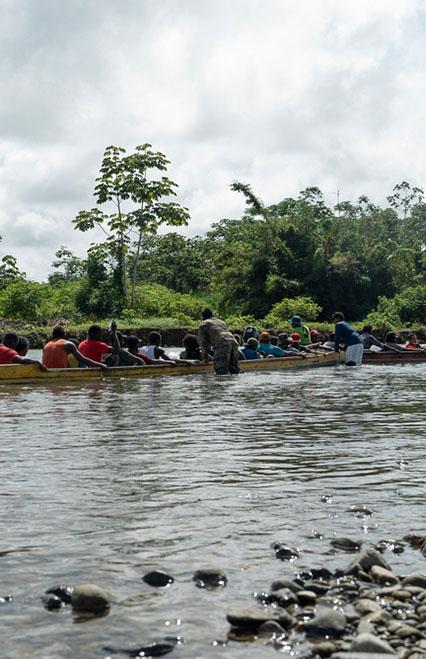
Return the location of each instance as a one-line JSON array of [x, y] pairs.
[[286, 583], [346, 544], [91, 599], [284, 597], [269, 629], [252, 618], [51, 602], [152, 650], [210, 578], [63, 592], [284, 552], [360, 511], [158, 579], [365, 561]]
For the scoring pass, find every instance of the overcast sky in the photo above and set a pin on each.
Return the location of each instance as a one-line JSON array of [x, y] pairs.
[[279, 94]]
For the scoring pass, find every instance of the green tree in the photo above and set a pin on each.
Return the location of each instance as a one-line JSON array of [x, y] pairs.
[[9, 271], [123, 179]]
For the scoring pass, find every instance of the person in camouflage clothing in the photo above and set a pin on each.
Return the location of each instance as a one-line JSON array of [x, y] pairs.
[[214, 333]]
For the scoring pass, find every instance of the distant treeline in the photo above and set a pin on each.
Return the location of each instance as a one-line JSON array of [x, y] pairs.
[[297, 256]]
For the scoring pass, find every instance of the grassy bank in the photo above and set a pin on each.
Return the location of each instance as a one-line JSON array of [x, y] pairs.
[[172, 332]]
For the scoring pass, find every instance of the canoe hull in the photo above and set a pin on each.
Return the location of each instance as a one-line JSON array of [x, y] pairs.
[[15, 373], [408, 357]]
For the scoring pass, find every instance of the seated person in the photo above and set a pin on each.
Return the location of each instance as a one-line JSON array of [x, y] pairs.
[[412, 342], [57, 351], [368, 339], [95, 349], [139, 357], [249, 333], [22, 346], [249, 350], [392, 343], [9, 354], [154, 350], [192, 348], [296, 344], [314, 335], [266, 348], [329, 344]]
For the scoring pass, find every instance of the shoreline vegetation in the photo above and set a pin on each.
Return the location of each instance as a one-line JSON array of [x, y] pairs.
[[299, 256], [172, 334]]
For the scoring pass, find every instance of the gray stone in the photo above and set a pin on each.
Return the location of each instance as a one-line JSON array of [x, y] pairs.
[[370, 643], [406, 631], [346, 544], [365, 561], [252, 617], [284, 597], [324, 648], [365, 606], [326, 622], [210, 578], [89, 598], [387, 591], [383, 576], [415, 579], [363, 655], [270, 628], [306, 597], [365, 627], [402, 595], [63, 592], [286, 583]]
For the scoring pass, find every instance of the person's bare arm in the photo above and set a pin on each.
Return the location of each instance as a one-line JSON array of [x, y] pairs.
[[69, 347], [26, 360]]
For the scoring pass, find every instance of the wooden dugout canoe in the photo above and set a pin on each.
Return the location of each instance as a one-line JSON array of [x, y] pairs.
[[15, 373], [407, 357]]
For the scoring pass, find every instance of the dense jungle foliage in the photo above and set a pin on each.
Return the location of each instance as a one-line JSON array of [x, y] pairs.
[[298, 255]]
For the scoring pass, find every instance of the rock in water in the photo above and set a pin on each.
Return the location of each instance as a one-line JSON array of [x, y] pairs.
[[210, 578], [346, 544], [284, 552], [365, 561], [51, 602], [251, 617], [326, 622], [63, 592], [370, 643], [382, 576], [158, 579], [91, 599]]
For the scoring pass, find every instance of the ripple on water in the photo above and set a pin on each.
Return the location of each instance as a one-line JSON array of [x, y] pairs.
[[102, 482]]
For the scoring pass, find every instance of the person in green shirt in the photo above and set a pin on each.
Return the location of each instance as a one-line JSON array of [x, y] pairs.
[[297, 325]]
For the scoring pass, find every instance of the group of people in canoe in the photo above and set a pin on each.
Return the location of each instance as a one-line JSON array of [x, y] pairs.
[[214, 343]]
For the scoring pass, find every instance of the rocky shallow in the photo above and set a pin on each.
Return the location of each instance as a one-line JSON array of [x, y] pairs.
[[363, 611]]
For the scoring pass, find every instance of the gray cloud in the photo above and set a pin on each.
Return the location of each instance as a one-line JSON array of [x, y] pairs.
[[277, 94]]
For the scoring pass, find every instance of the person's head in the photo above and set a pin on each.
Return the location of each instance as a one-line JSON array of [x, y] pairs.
[[283, 338], [412, 338], [252, 343], [154, 339], [367, 329], [337, 317], [296, 321], [95, 333], [265, 337], [22, 346], [58, 332], [132, 343], [190, 342], [391, 337], [314, 334], [295, 337], [10, 340], [206, 313]]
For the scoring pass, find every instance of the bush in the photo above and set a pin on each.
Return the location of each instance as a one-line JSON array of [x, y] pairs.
[[240, 322], [23, 300], [284, 310], [410, 305], [158, 300]]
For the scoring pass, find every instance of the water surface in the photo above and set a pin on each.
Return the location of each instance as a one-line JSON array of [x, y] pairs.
[[102, 482]]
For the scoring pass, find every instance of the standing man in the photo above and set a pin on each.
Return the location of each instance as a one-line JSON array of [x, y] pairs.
[[352, 341], [213, 332]]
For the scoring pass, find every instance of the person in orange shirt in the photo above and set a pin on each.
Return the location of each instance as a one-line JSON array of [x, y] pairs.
[[412, 343], [9, 355], [58, 349]]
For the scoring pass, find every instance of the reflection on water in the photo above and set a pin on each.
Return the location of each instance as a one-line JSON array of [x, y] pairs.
[[104, 481]]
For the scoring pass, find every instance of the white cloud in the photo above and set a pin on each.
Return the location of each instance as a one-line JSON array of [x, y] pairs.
[[280, 94]]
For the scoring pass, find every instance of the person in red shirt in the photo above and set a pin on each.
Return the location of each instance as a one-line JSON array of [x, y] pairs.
[[412, 343], [94, 348], [8, 354], [57, 350]]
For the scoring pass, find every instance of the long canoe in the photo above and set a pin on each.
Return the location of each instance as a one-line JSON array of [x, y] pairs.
[[15, 373], [406, 357]]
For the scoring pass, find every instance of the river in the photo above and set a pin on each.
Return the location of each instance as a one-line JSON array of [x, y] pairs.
[[102, 482]]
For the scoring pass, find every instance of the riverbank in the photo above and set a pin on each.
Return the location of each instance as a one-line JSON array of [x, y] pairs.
[[39, 334]]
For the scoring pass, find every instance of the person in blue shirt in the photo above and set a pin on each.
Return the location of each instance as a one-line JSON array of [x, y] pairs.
[[350, 338], [249, 349]]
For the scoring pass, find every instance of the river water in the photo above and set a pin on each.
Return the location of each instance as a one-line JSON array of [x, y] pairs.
[[102, 482]]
